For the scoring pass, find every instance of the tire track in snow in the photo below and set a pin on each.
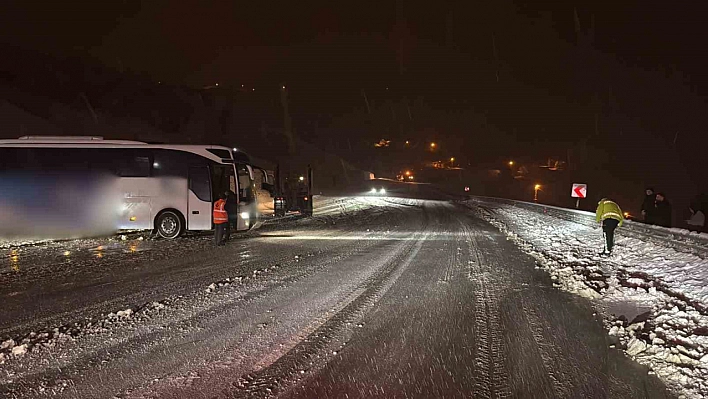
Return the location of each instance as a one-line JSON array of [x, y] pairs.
[[293, 365], [492, 276], [454, 262], [548, 351], [490, 356]]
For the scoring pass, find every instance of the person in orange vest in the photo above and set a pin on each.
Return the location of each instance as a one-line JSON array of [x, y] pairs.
[[221, 221]]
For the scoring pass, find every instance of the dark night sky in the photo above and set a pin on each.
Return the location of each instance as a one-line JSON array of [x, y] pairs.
[[440, 51], [199, 42]]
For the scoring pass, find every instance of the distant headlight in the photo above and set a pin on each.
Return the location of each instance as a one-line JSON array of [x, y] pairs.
[[373, 191], [245, 215], [382, 191]]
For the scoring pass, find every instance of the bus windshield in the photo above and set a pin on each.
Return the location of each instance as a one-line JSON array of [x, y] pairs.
[[223, 179]]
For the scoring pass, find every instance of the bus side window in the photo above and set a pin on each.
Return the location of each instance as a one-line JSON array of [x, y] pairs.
[[133, 166], [199, 182]]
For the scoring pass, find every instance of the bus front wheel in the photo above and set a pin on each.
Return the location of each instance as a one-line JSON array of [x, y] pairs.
[[169, 225]]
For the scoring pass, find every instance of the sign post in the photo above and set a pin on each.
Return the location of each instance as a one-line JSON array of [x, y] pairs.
[[579, 191]]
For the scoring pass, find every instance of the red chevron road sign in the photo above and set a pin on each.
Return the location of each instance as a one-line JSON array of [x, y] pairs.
[[579, 191]]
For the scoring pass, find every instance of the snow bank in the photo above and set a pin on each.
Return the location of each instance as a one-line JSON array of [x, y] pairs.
[[648, 271]]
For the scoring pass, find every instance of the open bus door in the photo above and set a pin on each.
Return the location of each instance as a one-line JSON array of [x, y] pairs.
[[293, 193]]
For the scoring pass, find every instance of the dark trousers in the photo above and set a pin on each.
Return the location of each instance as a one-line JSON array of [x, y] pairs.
[[220, 233], [609, 226], [232, 225]]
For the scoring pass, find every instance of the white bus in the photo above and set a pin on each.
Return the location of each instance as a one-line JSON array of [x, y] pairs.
[[166, 188]]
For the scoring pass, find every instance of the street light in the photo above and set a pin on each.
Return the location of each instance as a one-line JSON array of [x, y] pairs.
[[536, 188], [433, 145], [511, 163], [452, 159]]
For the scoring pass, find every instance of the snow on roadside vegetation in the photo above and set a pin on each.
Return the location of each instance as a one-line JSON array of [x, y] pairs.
[[671, 337]]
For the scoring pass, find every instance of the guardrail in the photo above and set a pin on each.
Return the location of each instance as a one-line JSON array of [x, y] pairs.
[[679, 239]]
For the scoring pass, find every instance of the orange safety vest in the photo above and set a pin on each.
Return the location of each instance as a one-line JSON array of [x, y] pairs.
[[220, 214]]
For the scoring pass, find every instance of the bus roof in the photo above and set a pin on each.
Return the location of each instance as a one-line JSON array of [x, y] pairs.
[[66, 139], [99, 142]]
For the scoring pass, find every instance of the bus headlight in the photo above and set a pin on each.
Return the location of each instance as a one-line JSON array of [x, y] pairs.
[[245, 215]]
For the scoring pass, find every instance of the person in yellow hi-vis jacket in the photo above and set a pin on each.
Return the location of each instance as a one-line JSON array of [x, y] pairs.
[[610, 215]]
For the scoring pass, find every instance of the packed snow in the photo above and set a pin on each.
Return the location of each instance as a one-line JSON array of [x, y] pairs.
[[655, 295], [296, 290]]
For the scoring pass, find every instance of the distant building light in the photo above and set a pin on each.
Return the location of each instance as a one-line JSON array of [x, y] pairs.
[[302, 178]]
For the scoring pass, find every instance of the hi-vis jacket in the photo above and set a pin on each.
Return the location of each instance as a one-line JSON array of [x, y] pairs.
[[220, 214], [607, 209]]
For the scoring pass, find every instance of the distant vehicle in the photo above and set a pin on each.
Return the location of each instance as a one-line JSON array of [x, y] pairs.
[[166, 188], [381, 191]]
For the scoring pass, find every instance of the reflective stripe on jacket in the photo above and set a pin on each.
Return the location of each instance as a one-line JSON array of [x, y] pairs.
[[220, 214], [607, 209]]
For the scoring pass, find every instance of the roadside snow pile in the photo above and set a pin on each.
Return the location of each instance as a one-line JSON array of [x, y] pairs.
[[9, 244], [35, 342], [671, 337]]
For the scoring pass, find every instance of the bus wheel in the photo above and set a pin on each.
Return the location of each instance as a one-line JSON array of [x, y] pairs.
[[169, 225]]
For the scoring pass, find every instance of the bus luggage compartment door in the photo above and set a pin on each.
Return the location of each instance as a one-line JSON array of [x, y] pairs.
[[199, 204]]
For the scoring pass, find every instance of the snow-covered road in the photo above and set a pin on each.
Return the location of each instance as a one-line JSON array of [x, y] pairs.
[[372, 297], [653, 290]]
